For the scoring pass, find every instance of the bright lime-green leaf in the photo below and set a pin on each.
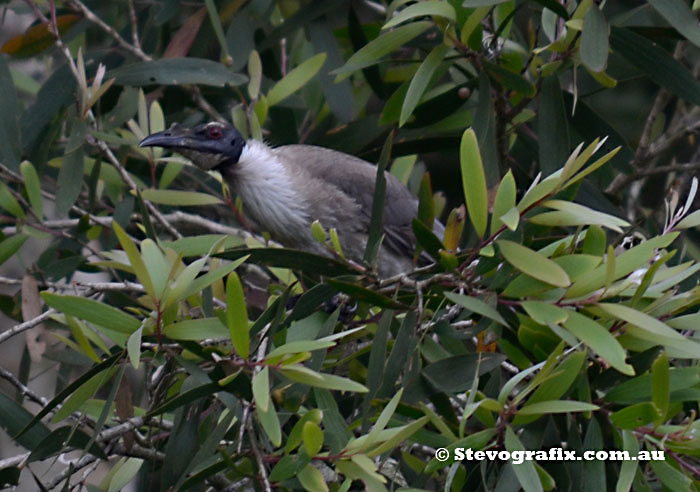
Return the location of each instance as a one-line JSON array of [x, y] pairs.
[[298, 347], [183, 282], [312, 479], [296, 79], [533, 264], [557, 406], [237, 316], [179, 198], [474, 181], [254, 74], [312, 436]]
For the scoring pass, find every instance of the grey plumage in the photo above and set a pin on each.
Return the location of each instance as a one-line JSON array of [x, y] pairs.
[[285, 189]]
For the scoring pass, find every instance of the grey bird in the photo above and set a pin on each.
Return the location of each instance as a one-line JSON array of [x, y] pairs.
[[285, 189]]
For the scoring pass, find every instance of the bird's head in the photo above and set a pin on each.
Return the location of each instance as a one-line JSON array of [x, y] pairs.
[[209, 145]]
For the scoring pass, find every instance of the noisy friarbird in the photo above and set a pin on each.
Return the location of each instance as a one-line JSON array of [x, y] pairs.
[[285, 189]]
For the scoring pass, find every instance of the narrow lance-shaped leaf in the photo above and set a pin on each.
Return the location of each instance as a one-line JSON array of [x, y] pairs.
[[33, 187], [296, 79], [387, 42], [421, 79], [504, 201], [594, 40], [533, 264], [660, 390], [134, 258], [377, 218], [474, 181], [237, 316], [422, 9]]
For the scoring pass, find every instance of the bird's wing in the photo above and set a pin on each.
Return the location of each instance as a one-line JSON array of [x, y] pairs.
[[356, 179]]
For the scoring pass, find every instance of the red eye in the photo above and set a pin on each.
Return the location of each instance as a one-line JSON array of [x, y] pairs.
[[214, 132]]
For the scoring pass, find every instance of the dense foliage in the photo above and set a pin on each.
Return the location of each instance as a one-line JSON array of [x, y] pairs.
[[190, 353]]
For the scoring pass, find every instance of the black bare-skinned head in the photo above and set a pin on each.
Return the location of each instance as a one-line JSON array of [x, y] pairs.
[[209, 145]]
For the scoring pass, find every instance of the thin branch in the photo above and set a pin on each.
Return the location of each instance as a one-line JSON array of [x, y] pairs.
[[134, 49], [134, 25], [15, 330], [12, 379]]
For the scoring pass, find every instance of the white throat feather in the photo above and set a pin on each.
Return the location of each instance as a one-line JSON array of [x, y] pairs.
[[269, 197]]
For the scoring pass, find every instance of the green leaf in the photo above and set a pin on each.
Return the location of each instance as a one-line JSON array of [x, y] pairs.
[[237, 316], [477, 306], [295, 436], [594, 40], [135, 259], [311, 479], [82, 393], [9, 202], [270, 423], [176, 71], [656, 63], [261, 389], [436, 8], [95, 312], [376, 225], [382, 420], [123, 473], [660, 386], [196, 329], [382, 45], [643, 321], [533, 264], [625, 264], [9, 246], [627, 468], [634, 416], [680, 16], [33, 187], [200, 283], [557, 406], [312, 436], [545, 313], [10, 148], [473, 181], [640, 388], [455, 374], [599, 339], [157, 265], [690, 220], [671, 477], [297, 347], [574, 214], [504, 202], [179, 198], [421, 79], [525, 471], [305, 375], [552, 127], [133, 347], [296, 79]]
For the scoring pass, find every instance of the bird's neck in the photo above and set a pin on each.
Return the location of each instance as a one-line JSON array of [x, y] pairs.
[[269, 190]]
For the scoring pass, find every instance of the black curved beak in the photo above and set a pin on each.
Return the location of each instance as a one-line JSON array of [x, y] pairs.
[[171, 138]]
